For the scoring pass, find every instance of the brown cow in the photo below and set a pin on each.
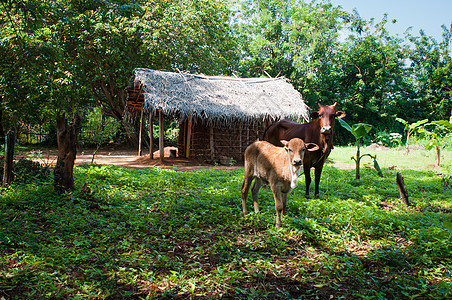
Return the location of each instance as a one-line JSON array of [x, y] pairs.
[[277, 166], [319, 131]]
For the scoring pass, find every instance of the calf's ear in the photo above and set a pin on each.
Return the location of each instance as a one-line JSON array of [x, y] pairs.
[[340, 114], [284, 142], [312, 147]]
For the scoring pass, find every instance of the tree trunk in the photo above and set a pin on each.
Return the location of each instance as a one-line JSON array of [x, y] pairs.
[[67, 136], [402, 189], [2, 131], [437, 156], [9, 157]]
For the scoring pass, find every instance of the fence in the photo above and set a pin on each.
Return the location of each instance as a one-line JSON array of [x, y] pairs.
[[38, 134]]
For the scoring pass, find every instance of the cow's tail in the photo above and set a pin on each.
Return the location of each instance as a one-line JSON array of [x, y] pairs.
[[266, 129]]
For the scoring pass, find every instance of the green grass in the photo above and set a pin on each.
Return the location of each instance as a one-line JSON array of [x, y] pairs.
[[393, 157], [165, 234]]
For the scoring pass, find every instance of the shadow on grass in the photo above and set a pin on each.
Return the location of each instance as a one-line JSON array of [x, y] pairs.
[[169, 234]]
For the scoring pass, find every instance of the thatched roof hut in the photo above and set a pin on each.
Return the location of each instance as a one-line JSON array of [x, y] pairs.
[[215, 102]]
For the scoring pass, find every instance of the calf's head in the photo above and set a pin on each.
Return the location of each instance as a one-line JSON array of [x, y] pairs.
[[296, 148], [327, 115]]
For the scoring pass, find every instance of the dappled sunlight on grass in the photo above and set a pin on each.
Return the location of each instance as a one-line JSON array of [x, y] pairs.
[[164, 234]]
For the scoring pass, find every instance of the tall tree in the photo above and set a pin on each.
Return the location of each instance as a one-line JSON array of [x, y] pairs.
[[292, 38], [372, 78], [62, 54], [33, 83], [107, 40], [431, 64]]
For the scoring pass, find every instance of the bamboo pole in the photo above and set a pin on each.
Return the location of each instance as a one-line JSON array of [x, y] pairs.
[[187, 152], [161, 148], [212, 149], [140, 151], [151, 137]]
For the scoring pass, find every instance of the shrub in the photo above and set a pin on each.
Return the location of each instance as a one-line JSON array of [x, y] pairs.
[[28, 171], [387, 139]]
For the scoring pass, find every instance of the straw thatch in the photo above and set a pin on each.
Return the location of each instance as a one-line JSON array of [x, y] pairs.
[[217, 100]]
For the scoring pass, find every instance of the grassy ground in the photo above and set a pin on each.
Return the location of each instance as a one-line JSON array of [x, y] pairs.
[[417, 158], [164, 234]]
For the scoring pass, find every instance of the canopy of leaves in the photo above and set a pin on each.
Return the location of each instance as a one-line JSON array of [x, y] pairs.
[[85, 50]]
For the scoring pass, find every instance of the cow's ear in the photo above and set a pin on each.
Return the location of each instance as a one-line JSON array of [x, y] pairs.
[[314, 115], [340, 114], [311, 147], [284, 142]]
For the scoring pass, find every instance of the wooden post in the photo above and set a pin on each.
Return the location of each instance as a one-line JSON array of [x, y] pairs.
[[187, 148], [9, 157], [241, 139], [151, 137], [212, 148], [161, 147], [67, 146], [402, 189], [140, 151]]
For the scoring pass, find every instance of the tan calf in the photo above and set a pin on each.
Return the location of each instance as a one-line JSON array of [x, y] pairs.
[[277, 166]]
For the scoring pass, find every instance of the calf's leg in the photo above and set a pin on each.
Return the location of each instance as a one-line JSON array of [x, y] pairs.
[[245, 188], [279, 206], [284, 201], [255, 193]]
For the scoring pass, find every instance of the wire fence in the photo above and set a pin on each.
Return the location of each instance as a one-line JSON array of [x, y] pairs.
[[41, 134]]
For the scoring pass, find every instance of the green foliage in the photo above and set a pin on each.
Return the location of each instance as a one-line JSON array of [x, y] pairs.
[[82, 53], [165, 234], [393, 139], [98, 129], [171, 133], [431, 66], [371, 79], [27, 171], [444, 123]]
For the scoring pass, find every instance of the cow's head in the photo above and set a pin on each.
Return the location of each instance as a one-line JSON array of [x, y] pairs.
[[327, 115], [296, 148]]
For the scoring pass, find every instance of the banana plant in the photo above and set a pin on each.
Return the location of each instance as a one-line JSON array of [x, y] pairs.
[[360, 130], [435, 138], [410, 128]]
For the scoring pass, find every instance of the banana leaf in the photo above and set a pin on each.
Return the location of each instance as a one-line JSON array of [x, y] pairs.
[[377, 167]]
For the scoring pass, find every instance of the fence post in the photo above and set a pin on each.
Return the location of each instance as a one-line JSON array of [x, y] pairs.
[[402, 189], [9, 157]]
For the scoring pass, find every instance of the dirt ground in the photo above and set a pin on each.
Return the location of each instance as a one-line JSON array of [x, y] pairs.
[[124, 157], [128, 157]]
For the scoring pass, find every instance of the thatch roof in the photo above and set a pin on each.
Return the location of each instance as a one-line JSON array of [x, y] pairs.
[[218, 99]]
